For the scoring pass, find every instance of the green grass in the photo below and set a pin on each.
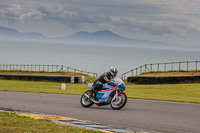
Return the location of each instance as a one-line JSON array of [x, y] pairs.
[[170, 73], [12, 123], [168, 92], [41, 87], [189, 93]]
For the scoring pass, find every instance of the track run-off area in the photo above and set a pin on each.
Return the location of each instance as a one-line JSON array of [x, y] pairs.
[[146, 115]]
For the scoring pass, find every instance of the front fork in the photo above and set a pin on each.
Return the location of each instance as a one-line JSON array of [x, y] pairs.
[[116, 95]]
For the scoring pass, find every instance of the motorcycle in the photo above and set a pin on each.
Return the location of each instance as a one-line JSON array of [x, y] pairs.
[[114, 96]]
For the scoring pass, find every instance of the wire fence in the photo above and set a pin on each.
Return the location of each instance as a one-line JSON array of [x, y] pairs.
[[43, 68], [164, 67]]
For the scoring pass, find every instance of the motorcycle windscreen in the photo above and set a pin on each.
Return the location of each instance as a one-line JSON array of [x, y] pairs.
[[90, 85]]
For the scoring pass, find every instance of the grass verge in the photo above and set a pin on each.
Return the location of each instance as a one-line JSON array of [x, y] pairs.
[[170, 73], [11, 122], [189, 93]]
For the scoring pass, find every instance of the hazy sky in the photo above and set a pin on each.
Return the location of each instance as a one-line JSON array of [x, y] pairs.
[[174, 21]]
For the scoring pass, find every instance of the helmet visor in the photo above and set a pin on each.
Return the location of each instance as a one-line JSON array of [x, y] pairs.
[[115, 73]]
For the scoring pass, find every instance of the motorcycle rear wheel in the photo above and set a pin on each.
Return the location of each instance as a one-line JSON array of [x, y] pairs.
[[85, 101], [118, 103]]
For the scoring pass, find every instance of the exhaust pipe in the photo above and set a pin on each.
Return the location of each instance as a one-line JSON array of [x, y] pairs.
[[87, 96], [94, 101]]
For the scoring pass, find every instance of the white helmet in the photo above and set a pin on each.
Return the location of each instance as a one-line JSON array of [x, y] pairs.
[[113, 71]]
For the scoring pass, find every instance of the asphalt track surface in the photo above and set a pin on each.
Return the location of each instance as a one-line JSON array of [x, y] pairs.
[[147, 115]]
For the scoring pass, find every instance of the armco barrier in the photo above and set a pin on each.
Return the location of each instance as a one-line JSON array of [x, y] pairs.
[[164, 80], [54, 78]]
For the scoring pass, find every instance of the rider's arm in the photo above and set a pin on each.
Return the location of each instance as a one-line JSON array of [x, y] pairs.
[[108, 81]]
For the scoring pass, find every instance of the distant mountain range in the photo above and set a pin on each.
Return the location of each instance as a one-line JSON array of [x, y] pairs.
[[11, 34], [104, 37]]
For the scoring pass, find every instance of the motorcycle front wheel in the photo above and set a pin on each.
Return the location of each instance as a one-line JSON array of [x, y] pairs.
[[120, 102], [85, 101]]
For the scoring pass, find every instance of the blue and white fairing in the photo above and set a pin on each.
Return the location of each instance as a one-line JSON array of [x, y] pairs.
[[106, 90]]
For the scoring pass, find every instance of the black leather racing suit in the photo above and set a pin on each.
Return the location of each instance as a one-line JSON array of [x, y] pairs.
[[104, 78]]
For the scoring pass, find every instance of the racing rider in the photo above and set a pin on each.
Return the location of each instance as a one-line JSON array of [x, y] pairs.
[[104, 78]]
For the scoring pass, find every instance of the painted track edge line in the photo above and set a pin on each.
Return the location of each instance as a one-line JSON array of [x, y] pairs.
[[72, 121]]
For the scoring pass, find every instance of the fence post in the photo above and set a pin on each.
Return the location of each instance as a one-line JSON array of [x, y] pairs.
[[179, 66], [136, 71], [187, 65], [165, 67], [172, 66], [158, 67], [145, 68], [196, 65]]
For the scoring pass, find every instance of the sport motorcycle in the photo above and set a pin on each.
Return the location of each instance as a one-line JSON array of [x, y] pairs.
[[109, 94]]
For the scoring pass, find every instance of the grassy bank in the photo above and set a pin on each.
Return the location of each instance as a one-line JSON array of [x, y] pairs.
[[170, 73], [189, 93], [169, 92], [12, 123]]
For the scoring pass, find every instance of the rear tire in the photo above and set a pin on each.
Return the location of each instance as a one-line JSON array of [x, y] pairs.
[[85, 101], [118, 103]]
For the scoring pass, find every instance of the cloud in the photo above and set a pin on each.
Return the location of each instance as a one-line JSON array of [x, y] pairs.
[[54, 13], [155, 18], [11, 12], [158, 28], [62, 14], [15, 13]]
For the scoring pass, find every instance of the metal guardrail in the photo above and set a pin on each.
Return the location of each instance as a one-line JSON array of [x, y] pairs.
[[163, 67], [43, 68]]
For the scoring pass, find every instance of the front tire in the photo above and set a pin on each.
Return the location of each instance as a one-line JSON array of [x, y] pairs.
[[118, 103], [85, 101]]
